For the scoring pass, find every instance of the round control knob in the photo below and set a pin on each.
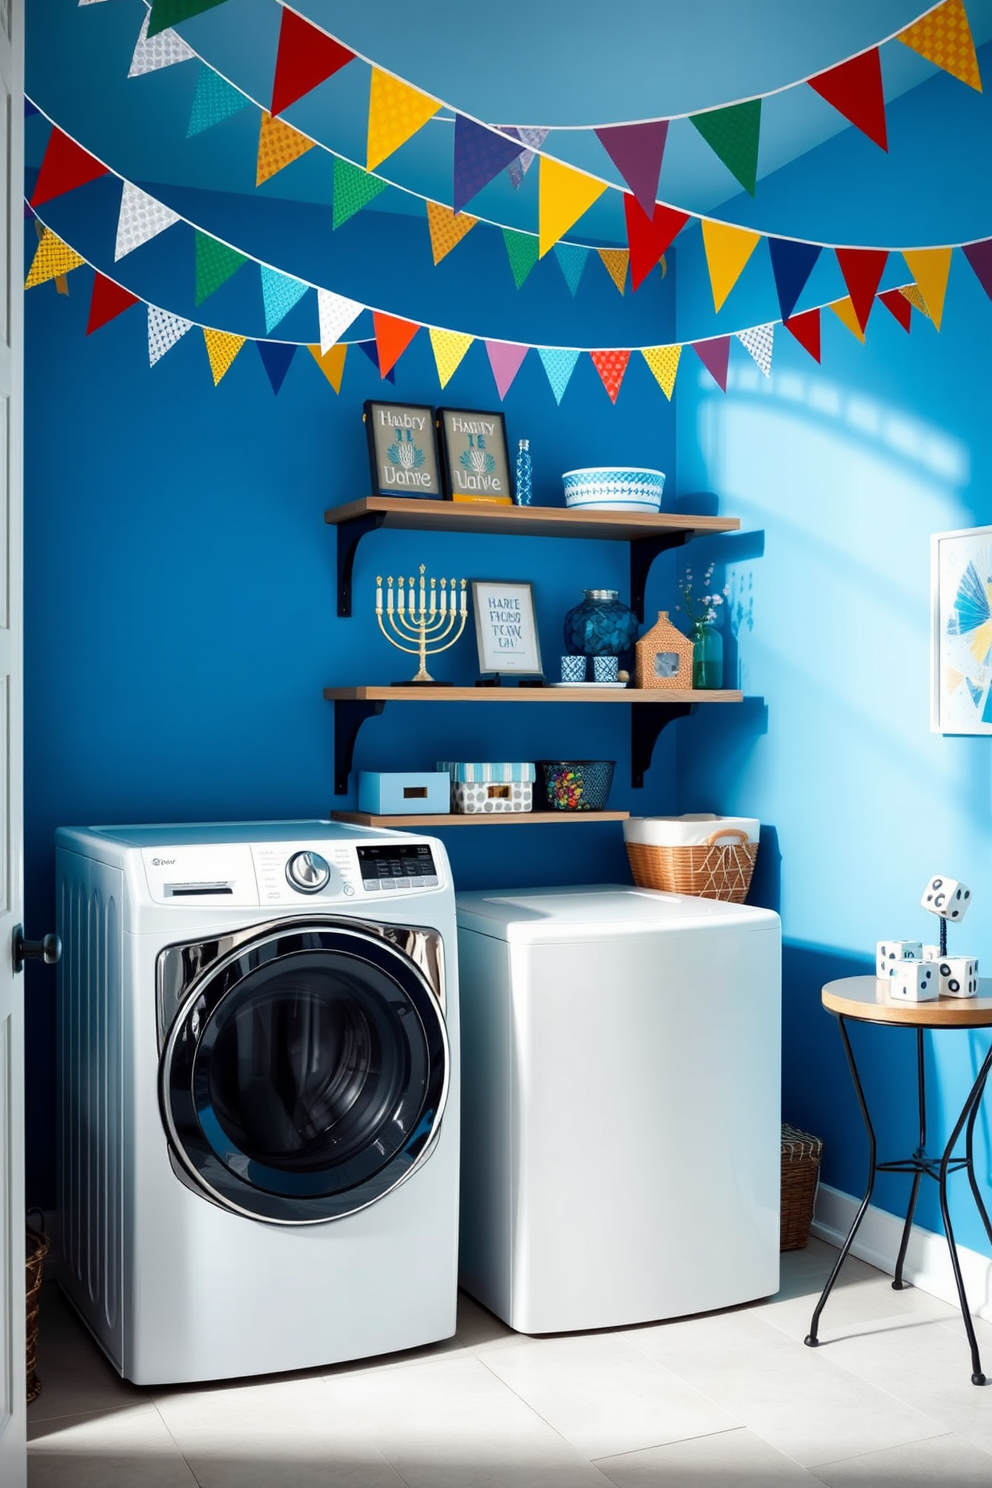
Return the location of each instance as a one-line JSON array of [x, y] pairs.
[[308, 872]]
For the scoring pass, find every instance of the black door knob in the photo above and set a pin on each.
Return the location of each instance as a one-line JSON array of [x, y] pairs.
[[48, 949]]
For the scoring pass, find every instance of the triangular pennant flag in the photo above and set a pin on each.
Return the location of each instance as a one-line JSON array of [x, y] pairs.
[[732, 134], [222, 348], [792, 264], [727, 251], [65, 165], [615, 261], [331, 363], [648, 237], [278, 143], [215, 99], [215, 263], [944, 37], [760, 342], [896, 302], [305, 58], [480, 155], [563, 195], [276, 357], [30, 108], [505, 359], [107, 301], [806, 329], [533, 139], [715, 357], [392, 337], [559, 365], [353, 189], [847, 315], [572, 258], [664, 363], [862, 269], [279, 294], [521, 250], [611, 366], [154, 52], [141, 218], [930, 268], [855, 90], [979, 255], [165, 13], [446, 229], [372, 352], [164, 330], [52, 259], [335, 314], [449, 348], [912, 295], [637, 151], [396, 112]]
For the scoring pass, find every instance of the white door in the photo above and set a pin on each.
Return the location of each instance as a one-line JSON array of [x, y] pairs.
[[13, 1471]]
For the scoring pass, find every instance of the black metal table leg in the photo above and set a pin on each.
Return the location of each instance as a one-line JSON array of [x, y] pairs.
[[970, 1153], [968, 1111], [918, 1156]]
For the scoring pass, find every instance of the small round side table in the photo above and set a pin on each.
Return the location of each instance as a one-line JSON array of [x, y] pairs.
[[866, 999]]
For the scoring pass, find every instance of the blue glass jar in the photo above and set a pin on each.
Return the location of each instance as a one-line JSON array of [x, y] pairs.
[[524, 475], [707, 655], [602, 625]]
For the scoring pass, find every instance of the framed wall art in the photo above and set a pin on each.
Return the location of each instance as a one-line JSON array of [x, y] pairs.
[[961, 631], [474, 461], [505, 629], [402, 449]]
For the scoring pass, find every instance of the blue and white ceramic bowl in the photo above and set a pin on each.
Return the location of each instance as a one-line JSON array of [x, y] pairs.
[[614, 488]]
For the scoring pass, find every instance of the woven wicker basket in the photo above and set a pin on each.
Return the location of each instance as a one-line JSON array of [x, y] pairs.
[[801, 1155], [716, 869], [36, 1249]]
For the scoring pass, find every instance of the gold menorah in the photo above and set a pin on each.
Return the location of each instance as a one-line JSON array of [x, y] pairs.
[[422, 616]]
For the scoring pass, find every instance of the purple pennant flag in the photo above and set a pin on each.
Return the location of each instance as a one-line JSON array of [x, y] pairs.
[[637, 150], [979, 255], [715, 357], [276, 357], [371, 350], [480, 155], [505, 360]]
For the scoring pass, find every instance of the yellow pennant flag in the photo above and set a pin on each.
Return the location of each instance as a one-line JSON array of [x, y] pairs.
[[847, 315], [278, 144], [447, 229], [52, 259], [222, 348], [944, 37], [930, 268], [331, 363], [616, 261], [664, 363], [912, 294], [563, 195], [727, 251], [449, 348], [396, 111]]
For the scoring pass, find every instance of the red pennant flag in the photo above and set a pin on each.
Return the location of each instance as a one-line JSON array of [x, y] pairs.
[[107, 301], [855, 90], [648, 237], [806, 329], [715, 357], [65, 165], [305, 58], [392, 337], [862, 269], [611, 366], [896, 301]]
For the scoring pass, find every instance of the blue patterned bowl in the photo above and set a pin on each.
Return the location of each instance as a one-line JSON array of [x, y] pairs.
[[614, 488]]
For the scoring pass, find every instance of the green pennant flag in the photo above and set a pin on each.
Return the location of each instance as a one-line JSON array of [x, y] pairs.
[[215, 262], [732, 134], [522, 251], [166, 13], [353, 189]]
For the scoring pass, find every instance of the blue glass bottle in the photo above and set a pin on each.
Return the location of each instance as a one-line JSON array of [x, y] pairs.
[[524, 474]]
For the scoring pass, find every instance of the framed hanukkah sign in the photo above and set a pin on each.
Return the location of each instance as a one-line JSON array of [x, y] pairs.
[[505, 628], [474, 462], [961, 631], [402, 449]]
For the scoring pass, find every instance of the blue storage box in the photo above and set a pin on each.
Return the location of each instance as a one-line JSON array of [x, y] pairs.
[[404, 793]]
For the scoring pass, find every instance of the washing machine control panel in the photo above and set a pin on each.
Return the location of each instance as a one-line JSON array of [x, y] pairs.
[[308, 872], [397, 865]]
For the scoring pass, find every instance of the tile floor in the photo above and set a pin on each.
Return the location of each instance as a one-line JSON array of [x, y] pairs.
[[726, 1399]]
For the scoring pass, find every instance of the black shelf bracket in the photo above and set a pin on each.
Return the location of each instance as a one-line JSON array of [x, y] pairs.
[[349, 715], [646, 722], [643, 552], [349, 535]]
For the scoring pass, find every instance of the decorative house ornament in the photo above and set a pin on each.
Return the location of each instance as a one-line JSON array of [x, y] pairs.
[[663, 656], [402, 452]]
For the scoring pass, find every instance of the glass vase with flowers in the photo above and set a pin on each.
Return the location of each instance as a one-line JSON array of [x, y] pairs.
[[707, 642]]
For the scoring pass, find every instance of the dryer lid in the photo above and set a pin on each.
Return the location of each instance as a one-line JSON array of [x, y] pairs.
[[594, 911]]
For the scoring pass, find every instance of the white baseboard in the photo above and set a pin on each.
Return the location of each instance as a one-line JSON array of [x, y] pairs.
[[927, 1265]]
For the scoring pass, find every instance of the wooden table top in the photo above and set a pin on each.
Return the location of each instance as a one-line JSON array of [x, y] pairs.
[[868, 998]]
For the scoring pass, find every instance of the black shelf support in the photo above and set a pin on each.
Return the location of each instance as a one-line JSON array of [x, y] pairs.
[[646, 723], [643, 552], [349, 715], [349, 535]]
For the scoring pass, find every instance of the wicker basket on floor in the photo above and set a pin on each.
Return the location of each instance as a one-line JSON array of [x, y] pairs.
[[801, 1155], [36, 1248], [717, 869]]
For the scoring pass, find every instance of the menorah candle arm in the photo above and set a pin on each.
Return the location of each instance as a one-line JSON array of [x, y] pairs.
[[456, 637], [413, 650], [409, 628]]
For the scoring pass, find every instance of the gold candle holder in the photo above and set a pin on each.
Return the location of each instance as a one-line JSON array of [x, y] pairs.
[[433, 621]]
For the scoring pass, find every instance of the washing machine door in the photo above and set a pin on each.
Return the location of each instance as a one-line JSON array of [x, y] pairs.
[[305, 1075]]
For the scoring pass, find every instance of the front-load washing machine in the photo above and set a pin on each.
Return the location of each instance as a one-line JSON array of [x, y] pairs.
[[259, 1118]]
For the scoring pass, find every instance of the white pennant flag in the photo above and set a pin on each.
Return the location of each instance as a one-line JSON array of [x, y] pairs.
[[164, 330], [336, 314], [161, 50], [759, 341], [141, 218]]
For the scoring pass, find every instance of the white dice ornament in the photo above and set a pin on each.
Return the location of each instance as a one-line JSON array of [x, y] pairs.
[[914, 981], [891, 954], [946, 897], [958, 976], [931, 953]]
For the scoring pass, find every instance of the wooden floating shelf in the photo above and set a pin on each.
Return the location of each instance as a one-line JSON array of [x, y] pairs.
[[662, 695], [482, 819]]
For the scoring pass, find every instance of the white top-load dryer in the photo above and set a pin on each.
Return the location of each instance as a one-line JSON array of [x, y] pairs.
[[621, 1138]]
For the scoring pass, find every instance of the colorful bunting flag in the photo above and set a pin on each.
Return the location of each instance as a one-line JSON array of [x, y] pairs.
[[305, 57], [521, 250], [792, 264], [572, 259], [449, 347], [107, 301], [480, 155], [446, 229], [806, 329], [215, 263], [848, 315], [331, 363], [396, 112], [563, 195], [862, 269], [912, 295], [279, 294], [715, 357], [278, 143], [64, 166], [611, 366], [505, 359], [944, 37], [392, 337], [648, 237], [140, 219], [335, 313], [533, 139], [353, 190], [276, 357], [215, 99], [637, 151], [930, 268], [760, 342], [165, 13], [222, 348], [732, 134], [979, 255], [615, 261], [30, 109], [559, 365], [664, 363], [52, 259], [164, 330], [855, 90], [154, 52], [896, 302], [727, 251], [372, 352]]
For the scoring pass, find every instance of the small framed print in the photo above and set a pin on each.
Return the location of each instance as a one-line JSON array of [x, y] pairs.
[[474, 462], [961, 631], [402, 449], [505, 630]]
